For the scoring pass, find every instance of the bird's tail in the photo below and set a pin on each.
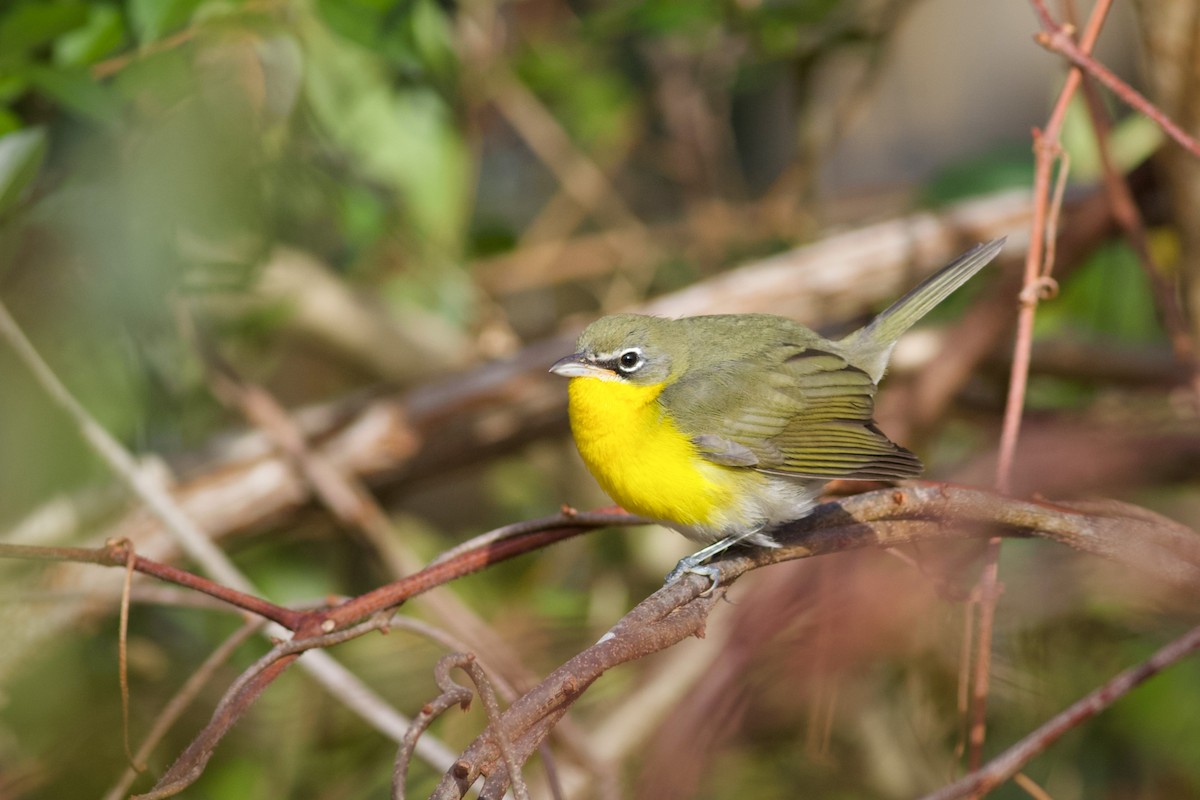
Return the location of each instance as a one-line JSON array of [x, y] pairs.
[[872, 344]]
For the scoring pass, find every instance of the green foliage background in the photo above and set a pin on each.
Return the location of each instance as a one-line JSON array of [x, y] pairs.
[[157, 155]]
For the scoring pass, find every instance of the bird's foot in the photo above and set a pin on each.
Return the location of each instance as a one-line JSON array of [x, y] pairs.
[[694, 564]]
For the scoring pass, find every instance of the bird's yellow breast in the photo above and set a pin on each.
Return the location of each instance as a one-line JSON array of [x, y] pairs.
[[641, 459]]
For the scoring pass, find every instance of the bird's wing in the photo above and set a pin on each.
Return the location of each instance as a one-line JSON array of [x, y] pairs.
[[807, 415]]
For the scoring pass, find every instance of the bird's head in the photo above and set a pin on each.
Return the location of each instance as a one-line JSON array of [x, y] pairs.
[[631, 348]]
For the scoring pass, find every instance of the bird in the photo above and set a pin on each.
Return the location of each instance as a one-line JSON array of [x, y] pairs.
[[725, 427]]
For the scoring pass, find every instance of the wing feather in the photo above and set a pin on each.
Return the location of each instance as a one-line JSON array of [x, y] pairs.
[[809, 417]]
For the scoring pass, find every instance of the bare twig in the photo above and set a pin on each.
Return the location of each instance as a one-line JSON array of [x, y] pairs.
[[1037, 272], [191, 538], [1057, 39], [1031, 787], [119, 553], [1011, 760], [179, 703], [1125, 210], [452, 695], [887, 518], [327, 627], [492, 708], [123, 654]]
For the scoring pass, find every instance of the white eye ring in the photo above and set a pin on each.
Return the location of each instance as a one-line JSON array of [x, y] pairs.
[[630, 361]]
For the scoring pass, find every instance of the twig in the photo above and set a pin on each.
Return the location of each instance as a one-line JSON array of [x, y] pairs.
[[193, 540], [1037, 272], [118, 553], [1030, 786], [1057, 39], [1011, 760], [452, 695], [887, 518], [532, 536], [492, 708], [190, 764], [123, 654], [339, 682], [238, 698], [182, 699], [327, 627], [1126, 212], [323, 628], [111, 66]]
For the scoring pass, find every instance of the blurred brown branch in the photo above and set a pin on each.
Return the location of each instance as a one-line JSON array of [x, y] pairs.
[[1005, 765]]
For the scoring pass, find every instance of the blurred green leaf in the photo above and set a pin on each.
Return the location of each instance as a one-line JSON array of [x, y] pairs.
[[103, 34], [76, 90], [414, 36], [9, 122], [1109, 297], [405, 138], [282, 63], [1008, 167], [433, 37], [12, 86], [593, 102], [1131, 141], [21, 154], [153, 19], [30, 25]]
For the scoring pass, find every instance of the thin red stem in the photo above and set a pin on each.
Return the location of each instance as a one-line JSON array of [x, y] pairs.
[[1046, 150]]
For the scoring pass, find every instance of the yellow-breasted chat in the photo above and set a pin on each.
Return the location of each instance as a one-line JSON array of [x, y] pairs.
[[724, 427]]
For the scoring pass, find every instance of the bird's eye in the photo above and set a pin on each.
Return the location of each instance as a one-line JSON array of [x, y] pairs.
[[630, 360]]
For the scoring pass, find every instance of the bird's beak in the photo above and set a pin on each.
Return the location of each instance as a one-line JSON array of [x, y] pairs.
[[576, 366]]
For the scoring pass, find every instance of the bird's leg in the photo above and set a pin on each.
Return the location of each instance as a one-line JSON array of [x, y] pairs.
[[695, 562]]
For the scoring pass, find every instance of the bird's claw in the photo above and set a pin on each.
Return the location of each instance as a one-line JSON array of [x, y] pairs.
[[687, 565]]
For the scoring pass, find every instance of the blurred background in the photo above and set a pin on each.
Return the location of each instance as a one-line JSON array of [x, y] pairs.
[[391, 217]]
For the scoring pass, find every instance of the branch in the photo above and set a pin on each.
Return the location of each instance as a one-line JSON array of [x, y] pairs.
[[1158, 547], [1039, 263], [327, 627], [1011, 760], [241, 483], [453, 694], [1057, 39]]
